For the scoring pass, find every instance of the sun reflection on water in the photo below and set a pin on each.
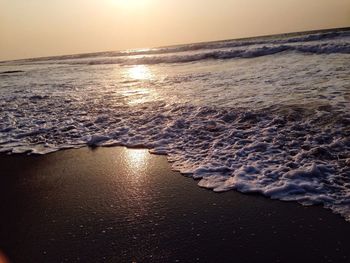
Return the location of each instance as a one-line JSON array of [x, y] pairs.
[[137, 159], [139, 90], [140, 72]]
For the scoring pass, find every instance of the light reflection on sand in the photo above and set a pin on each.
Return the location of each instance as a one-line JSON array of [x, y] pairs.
[[136, 160], [137, 164]]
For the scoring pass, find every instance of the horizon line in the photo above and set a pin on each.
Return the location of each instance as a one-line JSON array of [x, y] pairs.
[[183, 44]]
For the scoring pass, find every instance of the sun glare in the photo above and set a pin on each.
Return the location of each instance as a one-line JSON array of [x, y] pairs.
[[139, 72], [130, 3], [139, 89], [136, 159]]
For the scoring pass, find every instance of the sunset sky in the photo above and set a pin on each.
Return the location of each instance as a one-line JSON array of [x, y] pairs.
[[32, 28]]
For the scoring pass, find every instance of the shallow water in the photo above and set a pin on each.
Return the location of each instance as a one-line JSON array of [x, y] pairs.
[[266, 115]]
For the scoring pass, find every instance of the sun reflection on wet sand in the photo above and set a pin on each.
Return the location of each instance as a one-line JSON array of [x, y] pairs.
[[136, 160]]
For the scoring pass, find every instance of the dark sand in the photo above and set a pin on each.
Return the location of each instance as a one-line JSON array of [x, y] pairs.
[[120, 205]]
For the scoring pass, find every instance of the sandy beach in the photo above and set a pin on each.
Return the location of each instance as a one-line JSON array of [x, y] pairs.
[[125, 205]]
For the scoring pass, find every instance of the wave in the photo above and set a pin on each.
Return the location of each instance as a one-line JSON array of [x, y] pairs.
[[283, 39], [282, 156], [11, 72], [325, 48], [225, 44]]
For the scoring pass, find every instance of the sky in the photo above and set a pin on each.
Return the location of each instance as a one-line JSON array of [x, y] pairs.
[[35, 28]]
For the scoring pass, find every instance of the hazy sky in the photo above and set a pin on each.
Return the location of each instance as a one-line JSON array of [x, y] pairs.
[[32, 28]]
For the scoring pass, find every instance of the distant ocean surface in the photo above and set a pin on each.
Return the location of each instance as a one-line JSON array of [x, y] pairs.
[[268, 115]]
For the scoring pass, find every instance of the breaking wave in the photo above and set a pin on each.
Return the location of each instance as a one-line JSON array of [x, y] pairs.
[[282, 156], [327, 48]]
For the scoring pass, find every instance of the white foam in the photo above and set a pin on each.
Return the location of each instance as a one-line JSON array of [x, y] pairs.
[[248, 154]]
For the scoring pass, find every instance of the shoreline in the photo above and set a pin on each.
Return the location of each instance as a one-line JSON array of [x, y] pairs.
[[113, 204]]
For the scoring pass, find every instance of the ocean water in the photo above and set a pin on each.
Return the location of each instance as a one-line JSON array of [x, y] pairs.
[[267, 115]]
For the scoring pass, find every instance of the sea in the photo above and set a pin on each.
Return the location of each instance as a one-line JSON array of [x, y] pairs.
[[266, 115]]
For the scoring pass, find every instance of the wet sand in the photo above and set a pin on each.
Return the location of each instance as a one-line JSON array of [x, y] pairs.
[[124, 205]]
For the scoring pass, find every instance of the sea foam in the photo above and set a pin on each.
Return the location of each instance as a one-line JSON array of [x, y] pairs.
[[251, 152]]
